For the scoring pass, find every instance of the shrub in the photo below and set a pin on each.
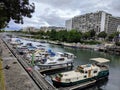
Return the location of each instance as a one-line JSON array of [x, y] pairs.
[[117, 43], [91, 42]]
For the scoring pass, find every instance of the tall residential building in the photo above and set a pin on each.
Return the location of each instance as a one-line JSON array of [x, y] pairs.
[[98, 21], [118, 29]]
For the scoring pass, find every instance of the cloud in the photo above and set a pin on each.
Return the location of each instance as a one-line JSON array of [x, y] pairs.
[[56, 16], [55, 12]]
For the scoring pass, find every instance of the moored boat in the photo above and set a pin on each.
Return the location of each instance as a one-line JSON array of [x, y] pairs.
[[58, 59], [15, 41], [48, 58], [83, 73]]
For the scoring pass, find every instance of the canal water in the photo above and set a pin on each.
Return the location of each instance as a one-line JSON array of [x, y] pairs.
[[83, 56]]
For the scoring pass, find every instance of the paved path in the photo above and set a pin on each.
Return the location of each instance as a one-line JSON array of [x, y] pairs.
[[16, 77]]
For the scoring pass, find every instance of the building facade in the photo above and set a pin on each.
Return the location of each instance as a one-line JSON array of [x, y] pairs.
[[52, 28], [98, 21], [29, 29], [118, 28]]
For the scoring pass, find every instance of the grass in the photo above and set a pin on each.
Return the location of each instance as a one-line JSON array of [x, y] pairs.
[[2, 79]]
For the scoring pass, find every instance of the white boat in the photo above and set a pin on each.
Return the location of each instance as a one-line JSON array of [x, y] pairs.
[[22, 50], [15, 41], [82, 73], [37, 55], [25, 48], [59, 59], [49, 58]]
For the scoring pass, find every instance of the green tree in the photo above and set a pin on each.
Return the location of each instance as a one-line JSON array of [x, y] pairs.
[[92, 34], [53, 35], [14, 10], [86, 35], [113, 36], [2, 30], [62, 35], [74, 36], [47, 34], [102, 34]]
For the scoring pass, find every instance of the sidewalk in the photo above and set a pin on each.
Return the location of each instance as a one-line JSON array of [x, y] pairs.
[[16, 77]]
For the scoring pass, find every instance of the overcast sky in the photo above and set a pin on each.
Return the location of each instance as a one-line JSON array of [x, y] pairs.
[[55, 12]]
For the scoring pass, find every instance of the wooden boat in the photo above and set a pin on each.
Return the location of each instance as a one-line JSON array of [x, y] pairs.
[[82, 73]]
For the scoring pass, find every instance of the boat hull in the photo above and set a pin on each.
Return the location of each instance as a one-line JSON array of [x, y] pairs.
[[56, 64], [62, 84]]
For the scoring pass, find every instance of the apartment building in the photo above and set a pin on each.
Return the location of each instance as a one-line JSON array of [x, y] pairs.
[[52, 28], [118, 29], [29, 29], [98, 21]]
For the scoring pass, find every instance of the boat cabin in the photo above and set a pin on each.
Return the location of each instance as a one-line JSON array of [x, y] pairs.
[[69, 55], [89, 70]]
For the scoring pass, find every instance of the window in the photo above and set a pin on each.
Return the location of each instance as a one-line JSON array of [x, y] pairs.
[[61, 59], [85, 76], [95, 72], [85, 71]]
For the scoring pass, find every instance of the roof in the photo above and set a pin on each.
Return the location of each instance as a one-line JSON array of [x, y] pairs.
[[100, 60]]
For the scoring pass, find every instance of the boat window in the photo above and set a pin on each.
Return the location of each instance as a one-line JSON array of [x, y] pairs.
[[52, 62], [88, 65], [65, 55], [85, 76], [61, 59], [65, 74], [60, 74], [95, 72], [85, 71], [81, 71]]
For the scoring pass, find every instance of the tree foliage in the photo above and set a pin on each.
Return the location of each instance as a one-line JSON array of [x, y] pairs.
[[86, 35], [74, 36], [53, 35], [92, 33], [102, 34], [62, 35], [113, 36], [65, 36], [14, 10]]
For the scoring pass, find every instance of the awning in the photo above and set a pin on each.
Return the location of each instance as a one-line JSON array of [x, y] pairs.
[[100, 60]]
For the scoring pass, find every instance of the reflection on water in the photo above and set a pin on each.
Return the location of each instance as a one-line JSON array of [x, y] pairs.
[[100, 85], [83, 57]]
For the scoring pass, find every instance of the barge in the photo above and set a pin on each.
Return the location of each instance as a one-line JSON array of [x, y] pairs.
[[82, 74]]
